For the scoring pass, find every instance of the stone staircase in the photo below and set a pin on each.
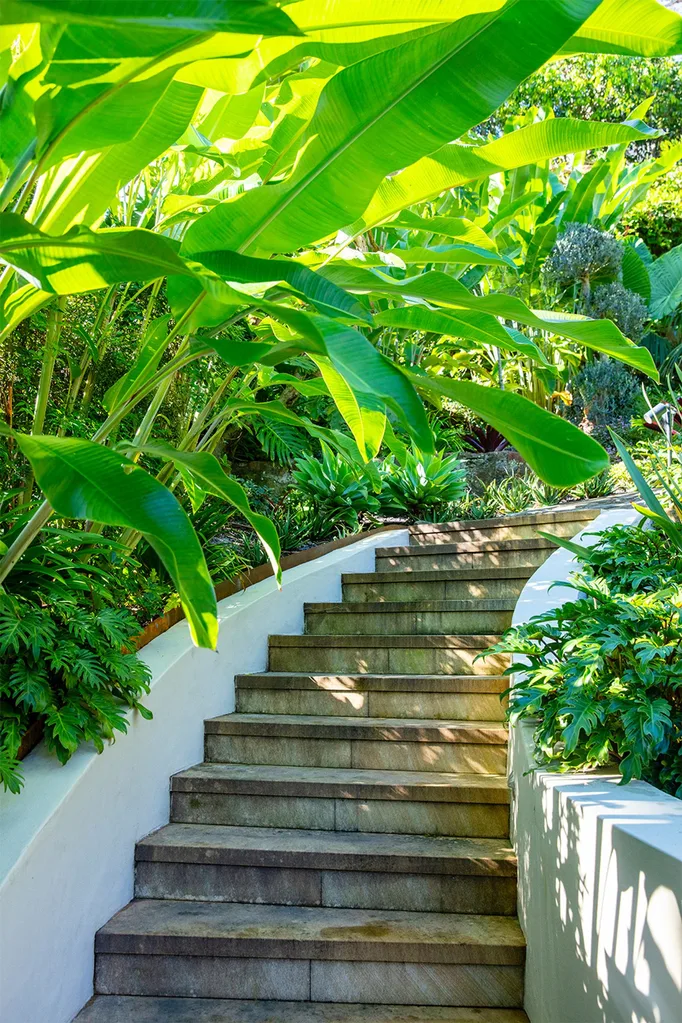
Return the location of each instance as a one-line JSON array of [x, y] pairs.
[[342, 855]]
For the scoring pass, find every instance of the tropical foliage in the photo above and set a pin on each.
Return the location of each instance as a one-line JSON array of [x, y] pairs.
[[217, 231]]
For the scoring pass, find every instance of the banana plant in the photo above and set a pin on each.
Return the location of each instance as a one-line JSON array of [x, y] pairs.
[[226, 158]]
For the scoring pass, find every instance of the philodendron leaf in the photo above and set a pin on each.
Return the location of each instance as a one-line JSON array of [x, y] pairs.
[[84, 260], [83, 480], [560, 453], [209, 476], [666, 283]]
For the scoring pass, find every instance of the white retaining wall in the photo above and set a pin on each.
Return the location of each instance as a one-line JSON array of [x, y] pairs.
[[600, 872], [67, 842]]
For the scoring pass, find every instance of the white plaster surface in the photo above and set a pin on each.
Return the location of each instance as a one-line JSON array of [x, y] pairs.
[[600, 872], [67, 842]]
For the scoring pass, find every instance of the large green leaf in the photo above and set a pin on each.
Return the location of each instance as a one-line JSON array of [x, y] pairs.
[[364, 368], [208, 475], [84, 260], [172, 16], [366, 425], [439, 289], [233, 267], [636, 272], [560, 453], [479, 327], [640, 28], [472, 255], [666, 283], [18, 304], [80, 191], [361, 133], [455, 164], [82, 480]]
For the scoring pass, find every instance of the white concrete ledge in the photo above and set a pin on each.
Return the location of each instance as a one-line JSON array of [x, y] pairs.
[[66, 853], [600, 871]]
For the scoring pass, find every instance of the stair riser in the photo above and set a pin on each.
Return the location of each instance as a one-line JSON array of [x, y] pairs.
[[440, 706], [414, 623], [433, 560], [392, 660], [300, 980], [382, 816], [340, 889], [382, 755], [493, 533], [460, 589]]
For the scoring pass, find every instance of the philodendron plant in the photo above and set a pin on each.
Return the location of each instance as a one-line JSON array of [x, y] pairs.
[[233, 160]]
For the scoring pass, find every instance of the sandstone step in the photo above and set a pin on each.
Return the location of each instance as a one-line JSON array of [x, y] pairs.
[[305, 953], [566, 522], [455, 584], [465, 697], [412, 617], [332, 799], [318, 868], [435, 557], [470, 747], [130, 1009], [448, 655]]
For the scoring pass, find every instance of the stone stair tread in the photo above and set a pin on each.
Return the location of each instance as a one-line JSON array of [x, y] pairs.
[[438, 575], [388, 729], [168, 927], [131, 1009], [381, 682], [328, 850], [467, 547], [513, 519], [342, 783], [444, 640], [397, 606]]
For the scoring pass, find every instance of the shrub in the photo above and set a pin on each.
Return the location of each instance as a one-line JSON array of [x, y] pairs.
[[657, 220], [604, 671], [605, 679], [335, 487], [72, 668], [605, 394], [627, 309], [581, 254], [422, 486]]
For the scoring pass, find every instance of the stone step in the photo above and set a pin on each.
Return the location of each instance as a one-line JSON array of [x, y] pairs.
[[129, 1009], [469, 747], [413, 617], [456, 584], [332, 799], [321, 868], [567, 523], [465, 697], [429, 655], [438, 557], [165, 947]]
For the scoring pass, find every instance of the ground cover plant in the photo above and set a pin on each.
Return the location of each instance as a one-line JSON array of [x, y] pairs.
[[218, 236]]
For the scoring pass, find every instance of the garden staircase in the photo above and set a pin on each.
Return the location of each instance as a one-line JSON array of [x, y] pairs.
[[342, 854]]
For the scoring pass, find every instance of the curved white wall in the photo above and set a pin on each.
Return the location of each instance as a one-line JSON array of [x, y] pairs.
[[600, 872], [67, 845]]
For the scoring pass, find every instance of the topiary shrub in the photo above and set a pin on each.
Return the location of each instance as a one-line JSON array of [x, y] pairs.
[[605, 394], [580, 255], [627, 309]]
